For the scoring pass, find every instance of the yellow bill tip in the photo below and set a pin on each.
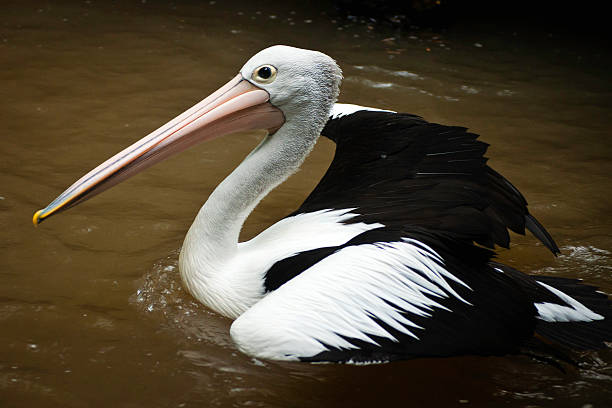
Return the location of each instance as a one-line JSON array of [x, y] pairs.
[[37, 219]]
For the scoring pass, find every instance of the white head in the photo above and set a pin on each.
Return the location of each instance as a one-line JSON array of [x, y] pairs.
[[296, 79]]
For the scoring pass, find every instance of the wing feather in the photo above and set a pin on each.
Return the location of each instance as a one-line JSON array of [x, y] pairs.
[[385, 301], [401, 170]]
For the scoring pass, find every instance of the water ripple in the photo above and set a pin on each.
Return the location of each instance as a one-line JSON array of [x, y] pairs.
[[594, 263], [397, 87], [379, 70]]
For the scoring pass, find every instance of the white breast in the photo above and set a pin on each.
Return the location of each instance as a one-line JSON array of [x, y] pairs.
[[231, 285]]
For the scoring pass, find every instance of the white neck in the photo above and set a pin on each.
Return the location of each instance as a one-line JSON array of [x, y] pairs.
[[211, 244]]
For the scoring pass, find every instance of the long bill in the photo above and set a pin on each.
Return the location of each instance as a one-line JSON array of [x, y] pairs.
[[236, 106]]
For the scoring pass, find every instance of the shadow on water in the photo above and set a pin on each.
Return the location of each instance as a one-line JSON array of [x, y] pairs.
[[92, 311]]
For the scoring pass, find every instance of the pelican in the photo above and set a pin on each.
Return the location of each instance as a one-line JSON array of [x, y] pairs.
[[390, 257]]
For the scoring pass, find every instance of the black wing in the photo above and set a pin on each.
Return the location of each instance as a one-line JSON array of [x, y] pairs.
[[404, 172]]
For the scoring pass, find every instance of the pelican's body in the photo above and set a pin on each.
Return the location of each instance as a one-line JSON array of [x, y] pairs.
[[380, 262]]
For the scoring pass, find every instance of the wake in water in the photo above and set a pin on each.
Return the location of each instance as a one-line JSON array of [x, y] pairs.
[[592, 264], [161, 296]]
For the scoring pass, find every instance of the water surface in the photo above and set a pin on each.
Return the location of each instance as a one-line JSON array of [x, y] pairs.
[[92, 312]]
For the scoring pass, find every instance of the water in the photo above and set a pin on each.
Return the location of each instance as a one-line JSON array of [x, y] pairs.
[[92, 312]]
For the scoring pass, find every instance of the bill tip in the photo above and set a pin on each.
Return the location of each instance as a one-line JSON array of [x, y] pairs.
[[37, 219]]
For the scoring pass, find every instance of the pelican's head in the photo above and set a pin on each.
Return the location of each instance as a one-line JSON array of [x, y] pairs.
[[298, 81], [277, 86]]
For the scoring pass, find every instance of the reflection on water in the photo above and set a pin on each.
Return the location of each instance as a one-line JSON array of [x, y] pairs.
[[92, 312]]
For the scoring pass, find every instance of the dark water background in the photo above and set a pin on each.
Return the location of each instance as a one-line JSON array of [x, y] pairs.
[[92, 312]]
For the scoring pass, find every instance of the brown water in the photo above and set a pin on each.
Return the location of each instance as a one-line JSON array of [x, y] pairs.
[[92, 312]]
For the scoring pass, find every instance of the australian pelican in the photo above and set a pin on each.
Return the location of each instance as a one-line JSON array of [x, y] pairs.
[[390, 257]]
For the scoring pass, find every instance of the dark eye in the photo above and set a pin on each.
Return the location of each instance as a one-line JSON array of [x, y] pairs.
[[264, 74]]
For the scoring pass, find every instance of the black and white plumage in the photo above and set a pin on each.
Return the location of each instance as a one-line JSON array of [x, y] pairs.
[[429, 191], [390, 257]]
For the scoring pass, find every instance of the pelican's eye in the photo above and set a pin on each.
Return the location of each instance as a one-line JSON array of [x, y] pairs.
[[264, 74]]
